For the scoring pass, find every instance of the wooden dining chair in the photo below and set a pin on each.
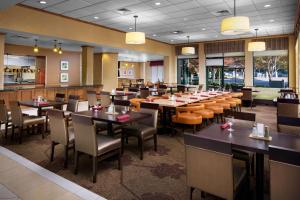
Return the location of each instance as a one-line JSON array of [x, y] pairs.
[[98, 146], [4, 117], [210, 168], [60, 133], [92, 98], [21, 122]]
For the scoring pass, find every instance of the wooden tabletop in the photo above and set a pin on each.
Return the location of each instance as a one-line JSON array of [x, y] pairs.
[[103, 116], [240, 139], [34, 104]]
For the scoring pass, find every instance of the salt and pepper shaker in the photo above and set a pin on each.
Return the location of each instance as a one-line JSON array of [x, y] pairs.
[[267, 132]]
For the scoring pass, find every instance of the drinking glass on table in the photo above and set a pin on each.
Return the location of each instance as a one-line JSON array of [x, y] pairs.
[[230, 123]]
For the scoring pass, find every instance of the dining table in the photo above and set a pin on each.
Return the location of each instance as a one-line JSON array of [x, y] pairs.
[[40, 105], [114, 118], [118, 94], [239, 139]]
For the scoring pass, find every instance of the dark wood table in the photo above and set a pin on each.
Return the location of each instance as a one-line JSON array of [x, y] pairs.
[[41, 105], [239, 139], [118, 94], [101, 115]]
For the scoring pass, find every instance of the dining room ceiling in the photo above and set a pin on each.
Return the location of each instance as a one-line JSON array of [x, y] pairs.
[[171, 21]]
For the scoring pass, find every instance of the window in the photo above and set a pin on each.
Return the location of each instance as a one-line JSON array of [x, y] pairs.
[[271, 69], [187, 71], [234, 68], [157, 74]]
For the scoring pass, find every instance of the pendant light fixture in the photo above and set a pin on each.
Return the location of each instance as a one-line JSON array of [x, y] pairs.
[[256, 45], [35, 48], [55, 49], [135, 37], [235, 25], [59, 49], [188, 50]]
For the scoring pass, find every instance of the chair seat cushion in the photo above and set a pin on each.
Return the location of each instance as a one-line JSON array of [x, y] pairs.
[[205, 113], [226, 106], [187, 118], [236, 100], [107, 144], [217, 109], [140, 130], [31, 120]]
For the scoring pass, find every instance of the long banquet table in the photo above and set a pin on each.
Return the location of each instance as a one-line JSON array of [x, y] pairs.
[[239, 139]]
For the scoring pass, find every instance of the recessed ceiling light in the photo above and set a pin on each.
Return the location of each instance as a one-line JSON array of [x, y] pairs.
[[96, 17], [203, 29], [130, 28], [267, 5], [154, 35], [184, 19], [175, 32], [172, 40], [271, 20], [43, 2], [157, 3]]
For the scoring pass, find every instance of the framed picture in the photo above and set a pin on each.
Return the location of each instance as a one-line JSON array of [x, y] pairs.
[[64, 77], [64, 65], [130, 72], [123, 72]]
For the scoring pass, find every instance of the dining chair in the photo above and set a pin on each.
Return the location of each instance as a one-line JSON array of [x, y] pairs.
[[144, 93], [105, 99], [87, 141], [144, 129], [4, 117], [284, 173], [181, 88], [247, 96], [92, 98], [218, 175], [288, 116], [125, 103], [75, 97], [133, 89], [19, 121], [207, 115], [60, 133]]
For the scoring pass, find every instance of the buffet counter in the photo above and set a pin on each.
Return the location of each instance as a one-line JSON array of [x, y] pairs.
[[29, 92]]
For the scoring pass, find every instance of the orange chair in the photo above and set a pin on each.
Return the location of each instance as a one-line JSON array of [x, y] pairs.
[[186, 116], [205, 113], [216, 108], [135, 102]]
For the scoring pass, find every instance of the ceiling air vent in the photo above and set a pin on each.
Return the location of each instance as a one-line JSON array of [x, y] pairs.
[[123, 11], [221, 13], [20, 37]]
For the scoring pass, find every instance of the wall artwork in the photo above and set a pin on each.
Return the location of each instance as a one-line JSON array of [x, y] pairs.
[[64, 65], [123, 72], [64, 77], [130, 72]]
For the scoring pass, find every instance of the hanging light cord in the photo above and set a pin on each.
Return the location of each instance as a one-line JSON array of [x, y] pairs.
[[234, 8], [135, 18], [188, 37]]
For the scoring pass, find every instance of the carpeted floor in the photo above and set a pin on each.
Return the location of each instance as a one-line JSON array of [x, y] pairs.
[[160, 176]]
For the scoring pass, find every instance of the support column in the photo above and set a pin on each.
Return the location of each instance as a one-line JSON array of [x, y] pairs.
[[143, 71], [202, 67], [2, 46], [170, 68], [106, 70], [87, 71], [148, 76], [292, 62], [248, 65]]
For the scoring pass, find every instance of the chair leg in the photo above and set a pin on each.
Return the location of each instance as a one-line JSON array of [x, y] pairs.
[[52, 151], [141, 145], [155, 142], [66, 157], [94, 169], [191, 190], [12, 131], [120, 160], [122, 143], [194, 128], [6, 129], [76, 159], [20, 134], [42, 130]]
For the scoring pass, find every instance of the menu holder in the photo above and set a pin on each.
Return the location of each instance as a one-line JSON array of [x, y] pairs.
[[254, 136]]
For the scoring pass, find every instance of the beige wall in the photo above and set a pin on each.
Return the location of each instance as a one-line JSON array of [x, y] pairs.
[[2, 47], [148, 72], [52, 73], [136, 66], [109, 71]]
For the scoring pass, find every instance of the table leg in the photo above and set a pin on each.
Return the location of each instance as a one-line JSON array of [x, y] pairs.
[[110, 131], [112, 98], [259, 176], [171, 90], [39, 112]]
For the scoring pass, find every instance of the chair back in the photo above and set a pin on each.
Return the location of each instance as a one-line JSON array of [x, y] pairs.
[[288, 109], [3, 112], [105, 100], [119, 89], [118, 102], [247, 95], [60, 97], [181, 88], [85, 134], [58, 126], [215, 175], [91, 97], [152, 109], [16, 113], [75, 97], [200, 88], [144, 93], [133, 89], [72, 105], [244, 116], [284, 173]]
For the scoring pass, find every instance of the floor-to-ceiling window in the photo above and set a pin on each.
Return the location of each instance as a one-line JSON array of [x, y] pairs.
[[271, 69], [187, 71], [157, 74]]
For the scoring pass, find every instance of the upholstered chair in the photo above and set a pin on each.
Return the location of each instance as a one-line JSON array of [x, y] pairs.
[[87, 141], [217, 175], [105, 99], [288, 116], [144, 129], [187, 116], [206, 114], [60, 133], [21, 122], [144, 93], [284, 173], [92, 98], [136, 103], [4, 117]]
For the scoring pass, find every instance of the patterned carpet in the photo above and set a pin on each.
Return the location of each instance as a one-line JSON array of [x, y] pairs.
[[160, 176]]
